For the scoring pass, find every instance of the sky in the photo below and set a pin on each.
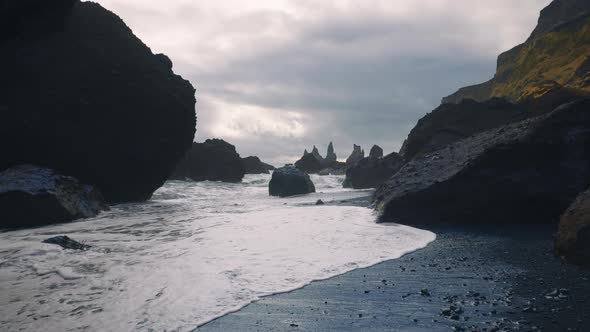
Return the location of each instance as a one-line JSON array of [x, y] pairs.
[[275, 77]]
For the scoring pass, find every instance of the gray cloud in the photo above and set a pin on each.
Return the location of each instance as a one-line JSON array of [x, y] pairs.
[[275, 77]]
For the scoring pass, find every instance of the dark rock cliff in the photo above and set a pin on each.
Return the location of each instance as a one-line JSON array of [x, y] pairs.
[[528, 171], [82, 95]]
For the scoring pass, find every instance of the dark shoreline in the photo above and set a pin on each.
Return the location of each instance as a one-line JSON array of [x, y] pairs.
[[482, 279]]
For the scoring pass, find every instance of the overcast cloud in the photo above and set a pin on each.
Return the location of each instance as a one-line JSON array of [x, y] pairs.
[[275, 77]]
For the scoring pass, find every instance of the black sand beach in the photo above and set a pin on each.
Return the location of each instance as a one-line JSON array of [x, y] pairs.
[[501, 279]]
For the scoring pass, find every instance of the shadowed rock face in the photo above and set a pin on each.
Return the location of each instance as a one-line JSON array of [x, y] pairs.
[[573, 238], [450, 123], [373, 171], [35, 196], [528, 171], [253, 165], [82, 95], [376, 152], [330, 155], [213, 160], [314, 163], [290, 181]]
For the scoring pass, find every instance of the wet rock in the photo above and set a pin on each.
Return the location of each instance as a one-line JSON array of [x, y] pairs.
[[35, 196], [573, 237], [86, 98], [67, 243], [290, 181], [528, 171], [319, 202], [212, 160]]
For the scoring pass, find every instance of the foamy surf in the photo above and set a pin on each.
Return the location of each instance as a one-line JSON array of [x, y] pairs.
[[198, 251]]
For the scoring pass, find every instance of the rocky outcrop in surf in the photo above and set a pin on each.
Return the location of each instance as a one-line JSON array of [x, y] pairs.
[[573, 237], [314, 163], [372, 171], [212, 160], [82, 95], [290, 181], [35, 196], [253, 165], [527, 171], [356, 155]]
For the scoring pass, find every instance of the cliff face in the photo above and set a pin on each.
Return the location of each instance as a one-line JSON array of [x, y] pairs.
[[527, 171], [82, 95], [555, 57]]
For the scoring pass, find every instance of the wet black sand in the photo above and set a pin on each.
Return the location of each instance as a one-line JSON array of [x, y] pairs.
[[496, 279]]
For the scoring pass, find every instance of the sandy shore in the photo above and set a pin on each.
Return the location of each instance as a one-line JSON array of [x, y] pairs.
[[505, 278]]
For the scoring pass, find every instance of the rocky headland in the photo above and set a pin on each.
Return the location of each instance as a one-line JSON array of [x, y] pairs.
[[512, 150], [82, 95]]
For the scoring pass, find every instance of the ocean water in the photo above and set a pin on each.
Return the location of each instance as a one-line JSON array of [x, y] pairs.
[[193, 253]]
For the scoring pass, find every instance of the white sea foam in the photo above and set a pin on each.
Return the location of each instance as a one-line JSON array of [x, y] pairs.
[[195, 252]]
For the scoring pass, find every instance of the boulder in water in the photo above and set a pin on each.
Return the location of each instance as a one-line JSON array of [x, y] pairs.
[[290, 181], [213, 160], [36, 196]]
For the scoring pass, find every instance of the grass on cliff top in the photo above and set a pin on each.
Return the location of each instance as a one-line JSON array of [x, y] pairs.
[[545, 62]]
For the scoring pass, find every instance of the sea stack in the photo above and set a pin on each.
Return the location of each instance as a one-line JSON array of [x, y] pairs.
[[212, 160], [356, 155]]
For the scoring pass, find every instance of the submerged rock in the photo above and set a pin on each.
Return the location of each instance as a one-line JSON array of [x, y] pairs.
[[573, 237], [67, 243], [372, 171], [212, 160], [36, 196], [356, 155], [253, 165], [528, 171], [82, 95], [290, 181]]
